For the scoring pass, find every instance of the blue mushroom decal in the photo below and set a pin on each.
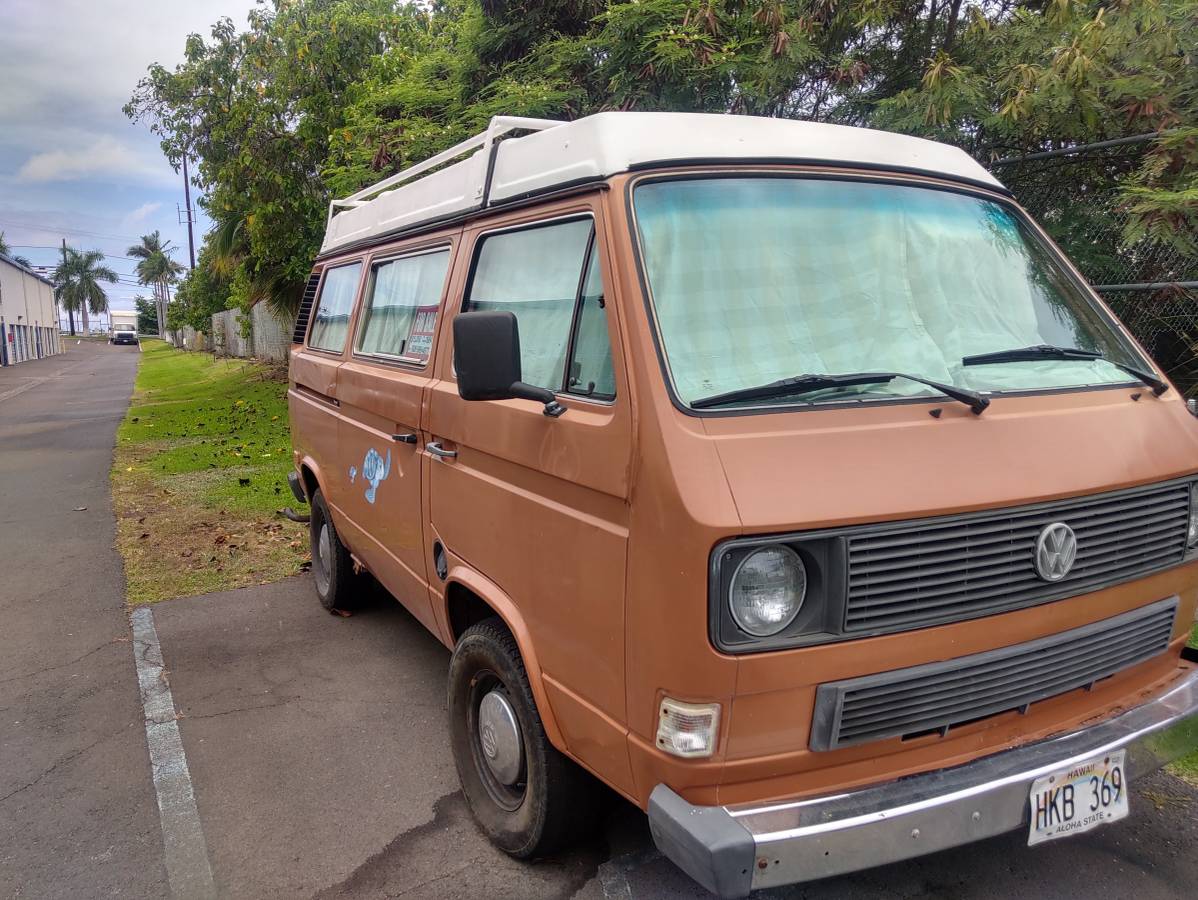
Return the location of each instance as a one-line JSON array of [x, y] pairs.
[[374, 470]]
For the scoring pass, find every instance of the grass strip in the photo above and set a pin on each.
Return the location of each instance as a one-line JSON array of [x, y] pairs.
[[199, 473]]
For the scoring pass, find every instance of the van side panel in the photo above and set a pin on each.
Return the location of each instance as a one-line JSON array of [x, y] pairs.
[[382, 402]]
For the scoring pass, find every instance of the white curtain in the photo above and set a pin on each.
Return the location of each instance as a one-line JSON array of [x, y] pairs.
[[331, 322], [592, 347], [758, 279], [534, 274], [400, 288]]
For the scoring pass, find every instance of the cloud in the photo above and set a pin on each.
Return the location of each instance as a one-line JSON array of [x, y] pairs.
[[104, 156], [140, 214]]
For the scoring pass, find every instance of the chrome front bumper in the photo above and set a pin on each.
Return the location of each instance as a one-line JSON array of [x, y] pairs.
[[733, 850]]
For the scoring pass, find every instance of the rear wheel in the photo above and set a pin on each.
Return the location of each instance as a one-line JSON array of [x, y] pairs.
[[528, 798], [332, 567]]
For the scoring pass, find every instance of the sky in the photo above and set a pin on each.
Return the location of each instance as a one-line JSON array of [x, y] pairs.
[[71, 165]]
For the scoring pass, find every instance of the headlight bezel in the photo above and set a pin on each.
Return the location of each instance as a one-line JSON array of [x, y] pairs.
[[1192, 527], [823, 603]]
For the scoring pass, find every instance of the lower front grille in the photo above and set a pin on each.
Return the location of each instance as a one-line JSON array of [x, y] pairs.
[[937, 696]]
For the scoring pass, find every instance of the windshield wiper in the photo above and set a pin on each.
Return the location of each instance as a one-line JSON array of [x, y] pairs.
[[1047, 351], [802, 384]]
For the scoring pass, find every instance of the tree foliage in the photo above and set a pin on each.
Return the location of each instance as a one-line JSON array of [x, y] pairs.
[[147, 315], [203, 292], [317, 98], [6, 250], [77, 283]]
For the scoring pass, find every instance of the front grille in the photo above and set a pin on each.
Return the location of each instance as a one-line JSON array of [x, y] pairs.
[[946, 570], [937, 696]]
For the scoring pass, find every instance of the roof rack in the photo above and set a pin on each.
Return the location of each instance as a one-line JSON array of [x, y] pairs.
[[486, 141]]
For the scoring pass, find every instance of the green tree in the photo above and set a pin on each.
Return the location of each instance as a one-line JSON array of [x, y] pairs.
[[147, 315], [202, 293], [1043, 76], [316, 98], [256, 109], [156, 269], [77, 283]]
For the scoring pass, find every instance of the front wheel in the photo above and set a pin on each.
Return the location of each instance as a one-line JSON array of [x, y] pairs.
[[528, 798]]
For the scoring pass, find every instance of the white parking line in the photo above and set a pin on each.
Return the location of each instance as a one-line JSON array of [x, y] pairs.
[[182, 836]]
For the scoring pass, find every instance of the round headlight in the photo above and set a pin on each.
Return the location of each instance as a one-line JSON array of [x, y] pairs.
[[767, 590]]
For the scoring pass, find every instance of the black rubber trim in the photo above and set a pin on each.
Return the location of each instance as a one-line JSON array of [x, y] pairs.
[[705, 842], [818, 161], [297, 487], [829, 697], [1189, 654]]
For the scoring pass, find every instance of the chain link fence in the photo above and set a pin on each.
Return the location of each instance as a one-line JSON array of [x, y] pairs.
[[1151, 285]]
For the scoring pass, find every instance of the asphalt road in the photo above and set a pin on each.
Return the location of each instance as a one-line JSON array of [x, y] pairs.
[[78, 816], [317, 745]]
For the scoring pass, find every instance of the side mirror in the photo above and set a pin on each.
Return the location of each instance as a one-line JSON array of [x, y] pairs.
[[486, 356]]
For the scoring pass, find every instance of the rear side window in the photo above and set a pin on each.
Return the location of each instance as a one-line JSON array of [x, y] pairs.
[[330, 325], [548, 277], [400, 312]]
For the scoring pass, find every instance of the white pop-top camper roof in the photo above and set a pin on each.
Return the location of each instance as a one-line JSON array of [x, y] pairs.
[[558, 154]]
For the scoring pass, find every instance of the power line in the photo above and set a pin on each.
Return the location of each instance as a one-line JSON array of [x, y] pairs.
[[55, 248], [84, 232]]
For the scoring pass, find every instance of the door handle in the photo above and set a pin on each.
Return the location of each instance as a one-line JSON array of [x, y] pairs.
[[435, 448], [404, 438]]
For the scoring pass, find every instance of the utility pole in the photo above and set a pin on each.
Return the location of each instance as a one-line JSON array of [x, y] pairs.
[[70, 312], [191, 242]]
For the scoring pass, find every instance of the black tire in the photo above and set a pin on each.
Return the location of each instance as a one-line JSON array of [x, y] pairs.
[[554, 802], [332, 567]]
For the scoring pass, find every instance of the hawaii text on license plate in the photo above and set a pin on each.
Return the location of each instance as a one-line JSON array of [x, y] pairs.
[[1079, 798]]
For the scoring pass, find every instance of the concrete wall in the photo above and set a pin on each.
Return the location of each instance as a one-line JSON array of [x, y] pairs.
[[226, 334], [28, 315], [272, 338], [187, 338], [268, 339]]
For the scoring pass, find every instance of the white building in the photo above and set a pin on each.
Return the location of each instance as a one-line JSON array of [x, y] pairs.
[[28, 315]]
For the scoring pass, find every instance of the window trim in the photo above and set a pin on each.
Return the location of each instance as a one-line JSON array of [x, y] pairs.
[[324, 275], [900, 179], [383, 259], [592, 245]]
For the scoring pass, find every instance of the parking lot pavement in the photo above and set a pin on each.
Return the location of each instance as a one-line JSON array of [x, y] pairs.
[[319, 751]]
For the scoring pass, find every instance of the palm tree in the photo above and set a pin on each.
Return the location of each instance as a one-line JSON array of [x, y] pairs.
[[156, 269], [77, 284], [5, 250]]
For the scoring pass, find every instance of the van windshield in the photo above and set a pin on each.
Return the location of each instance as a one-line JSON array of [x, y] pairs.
[[756, 279]]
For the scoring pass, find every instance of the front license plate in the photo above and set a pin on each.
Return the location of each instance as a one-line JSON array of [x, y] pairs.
[[1079, 798]]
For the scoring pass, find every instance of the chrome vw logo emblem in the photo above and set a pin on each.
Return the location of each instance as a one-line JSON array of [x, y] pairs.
[[1056, 551]]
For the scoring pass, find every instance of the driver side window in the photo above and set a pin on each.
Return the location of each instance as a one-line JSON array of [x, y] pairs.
[[548, 277]]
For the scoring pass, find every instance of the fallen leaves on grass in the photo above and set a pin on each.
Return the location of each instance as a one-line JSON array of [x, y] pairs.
[[185, 524]]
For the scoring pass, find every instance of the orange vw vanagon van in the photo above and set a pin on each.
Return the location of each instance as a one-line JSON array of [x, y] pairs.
[[783, 477]]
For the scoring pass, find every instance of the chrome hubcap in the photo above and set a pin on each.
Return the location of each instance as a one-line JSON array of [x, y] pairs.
[[499, 737], [323, 551]]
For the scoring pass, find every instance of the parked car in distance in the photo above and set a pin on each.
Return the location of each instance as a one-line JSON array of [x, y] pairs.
[[783, 477], [124, 327]]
